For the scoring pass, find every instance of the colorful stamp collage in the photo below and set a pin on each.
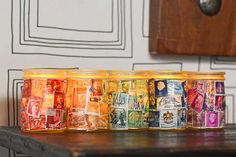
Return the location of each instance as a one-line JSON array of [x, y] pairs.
[[129, 105], [88, 111], [168, 104], [42, 105], [118, 111], [92, 104], [206, 100]]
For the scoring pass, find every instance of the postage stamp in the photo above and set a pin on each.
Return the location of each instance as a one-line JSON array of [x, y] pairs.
[[91, 122], [26, 92], [24, 120], [212, 119], [24, 104], [184, 87], [48, 100], [143, 103], [133, 104], [118, 118], [174, 87], [210, 87], [160, 88], [145, 119], [142, 87], [209, 102], [134, 119], [120, 99], [55, 85], [113, 86], [34, 107], [97, 87], [154, 119], [184, 101], [127, 86], [198, 119], [168, 118], [197, 103], [54, 118], [79, 97], [151, 87], [152, 102], [59, 100], [93, 107], [192, 93], [37, 87], [169, 102], [201, 86], [219, 103], [182, 118], [37, 123], [190, 118], [76, 120], [221, 119], [104, 108], [220, 87], [103, 121]]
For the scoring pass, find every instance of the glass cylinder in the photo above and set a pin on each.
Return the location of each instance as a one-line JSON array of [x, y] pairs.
[[128, 100], [206, 100], [167, 100], [42, 103], [86, 100]]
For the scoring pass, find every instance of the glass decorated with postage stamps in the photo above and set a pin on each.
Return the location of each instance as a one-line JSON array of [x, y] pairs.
[[168, 100], [130, 102], [42, 103], [88, 108], [206, 99]]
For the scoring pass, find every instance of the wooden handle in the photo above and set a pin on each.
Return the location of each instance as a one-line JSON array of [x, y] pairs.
[[210, 7]]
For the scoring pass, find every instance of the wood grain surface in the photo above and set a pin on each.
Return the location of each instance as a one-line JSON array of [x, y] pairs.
[[145, 143], [180, 27]]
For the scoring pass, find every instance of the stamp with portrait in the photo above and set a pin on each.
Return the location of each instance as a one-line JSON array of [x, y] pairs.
[[220, 87], [182, 118], [219, 103], [212, 120], [160, 88]]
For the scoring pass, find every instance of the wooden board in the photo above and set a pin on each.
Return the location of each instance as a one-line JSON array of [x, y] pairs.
[[139, 143], [180, 27]]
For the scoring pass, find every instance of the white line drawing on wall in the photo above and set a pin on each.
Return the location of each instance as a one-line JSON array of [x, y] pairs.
[[230, 107], [145, 18], [14, 84], [226, 59], [223, 63], [46, 20], [29, 36], [158, 66]]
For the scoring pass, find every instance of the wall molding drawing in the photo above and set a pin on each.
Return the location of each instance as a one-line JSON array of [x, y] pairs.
[[145, 18], [223, 63], [158, 66], [32, 38]]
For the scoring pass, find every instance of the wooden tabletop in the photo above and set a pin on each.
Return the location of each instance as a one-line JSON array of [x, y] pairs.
[[145, 143]]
